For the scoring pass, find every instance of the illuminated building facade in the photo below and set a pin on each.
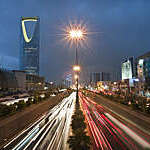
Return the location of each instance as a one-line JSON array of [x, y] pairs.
[[127, 68], [29, 41], [143, 68]]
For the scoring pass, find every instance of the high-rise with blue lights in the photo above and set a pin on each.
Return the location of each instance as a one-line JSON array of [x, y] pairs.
[[29, 42]]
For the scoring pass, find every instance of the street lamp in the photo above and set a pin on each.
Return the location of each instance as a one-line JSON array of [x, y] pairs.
[[76, 35], [76, 68]]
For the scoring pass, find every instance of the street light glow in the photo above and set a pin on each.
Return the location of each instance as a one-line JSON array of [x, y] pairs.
[[76, 68], [76, 76], [76, 34]]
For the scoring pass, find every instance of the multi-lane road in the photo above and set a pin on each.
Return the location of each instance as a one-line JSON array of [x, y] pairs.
[[108, 131], [49, 132]]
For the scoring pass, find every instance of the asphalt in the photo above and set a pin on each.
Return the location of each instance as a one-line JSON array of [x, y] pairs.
[[132, 117], [15, 124], [49, 132]]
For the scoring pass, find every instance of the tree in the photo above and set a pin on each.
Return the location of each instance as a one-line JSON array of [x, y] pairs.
[[21, 104], [29, 102], [79, 139], [6, 110]]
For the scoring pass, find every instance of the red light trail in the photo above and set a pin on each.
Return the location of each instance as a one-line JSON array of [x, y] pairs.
[[106, 131]]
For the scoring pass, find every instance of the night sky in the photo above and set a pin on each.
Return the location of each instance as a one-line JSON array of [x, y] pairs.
[[121, 27]]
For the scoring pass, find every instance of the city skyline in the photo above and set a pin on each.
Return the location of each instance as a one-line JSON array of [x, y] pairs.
[[75, 74], [123, 28]]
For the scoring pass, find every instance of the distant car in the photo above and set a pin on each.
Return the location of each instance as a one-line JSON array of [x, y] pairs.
[[24, 96], [15, 96], [52, 95]]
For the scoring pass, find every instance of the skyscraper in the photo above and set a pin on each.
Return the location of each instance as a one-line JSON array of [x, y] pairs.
[[29, 45], [143, 68], [127, 68]]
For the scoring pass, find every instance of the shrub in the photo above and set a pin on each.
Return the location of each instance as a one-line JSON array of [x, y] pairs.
[[6, 110], [21, 104], [29, 102], [79, 140]]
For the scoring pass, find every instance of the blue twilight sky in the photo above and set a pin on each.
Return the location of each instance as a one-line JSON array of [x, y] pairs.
[[122, 29]]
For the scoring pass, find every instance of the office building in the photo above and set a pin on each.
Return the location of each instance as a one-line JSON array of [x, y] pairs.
[[127, 68], [29, 45], [27, 82], [8, 80], [143, 68]]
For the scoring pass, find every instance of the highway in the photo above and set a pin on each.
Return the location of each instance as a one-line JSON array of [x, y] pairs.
[[108, 131], [49, 132]]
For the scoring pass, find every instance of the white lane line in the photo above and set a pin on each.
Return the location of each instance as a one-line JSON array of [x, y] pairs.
[[68, 121], [63, 113], [23, 131], [22, 143], [41, 138], [129, 121], [52, 142], [128, 131], [36, 136], [54, 112]]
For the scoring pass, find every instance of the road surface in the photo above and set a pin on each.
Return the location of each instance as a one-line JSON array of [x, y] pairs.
[[49, 132], [108, 131]]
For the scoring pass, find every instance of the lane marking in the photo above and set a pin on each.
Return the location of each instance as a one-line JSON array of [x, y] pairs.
[[128, 131], [129, 121], [24, 131]]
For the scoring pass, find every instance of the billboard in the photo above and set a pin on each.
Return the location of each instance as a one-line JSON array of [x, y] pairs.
[[127, 69]]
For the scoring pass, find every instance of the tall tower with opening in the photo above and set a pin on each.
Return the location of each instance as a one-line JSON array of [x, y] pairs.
[[30, 44]]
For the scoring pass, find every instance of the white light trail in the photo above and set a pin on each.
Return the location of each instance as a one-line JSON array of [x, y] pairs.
[[128, 131]]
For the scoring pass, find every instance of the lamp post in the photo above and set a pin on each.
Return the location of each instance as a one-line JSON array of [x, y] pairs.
[[76, 35], [76, 68]]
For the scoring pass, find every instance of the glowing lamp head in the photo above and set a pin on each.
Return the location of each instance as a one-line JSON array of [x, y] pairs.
[[76, 34], [76, 68]]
